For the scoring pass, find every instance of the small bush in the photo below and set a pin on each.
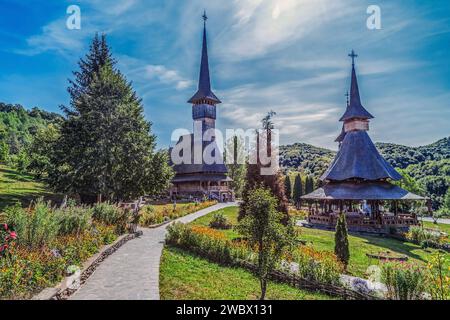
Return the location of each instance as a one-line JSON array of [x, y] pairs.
[[73, 220], [111, 215], [220, 221], [419, 235], [403, 281], [36, 226]]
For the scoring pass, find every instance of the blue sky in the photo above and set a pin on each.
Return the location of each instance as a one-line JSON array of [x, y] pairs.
[[285, 55]]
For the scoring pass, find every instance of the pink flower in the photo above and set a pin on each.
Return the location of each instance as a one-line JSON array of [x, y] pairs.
[[5, 226], [13, 235]]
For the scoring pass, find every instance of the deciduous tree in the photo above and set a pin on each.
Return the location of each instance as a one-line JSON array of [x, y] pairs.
[[265, 230]]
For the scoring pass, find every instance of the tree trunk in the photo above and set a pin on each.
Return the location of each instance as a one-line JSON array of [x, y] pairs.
[[263, 283]]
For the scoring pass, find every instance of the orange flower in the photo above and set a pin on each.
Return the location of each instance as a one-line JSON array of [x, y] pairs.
[[202, 230]]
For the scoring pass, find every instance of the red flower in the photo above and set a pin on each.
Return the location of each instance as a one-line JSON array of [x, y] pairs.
[[13, 235], [5, 226]]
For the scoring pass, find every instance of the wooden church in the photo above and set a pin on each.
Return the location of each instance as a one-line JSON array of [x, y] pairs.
[[358, 182], [200, 180]]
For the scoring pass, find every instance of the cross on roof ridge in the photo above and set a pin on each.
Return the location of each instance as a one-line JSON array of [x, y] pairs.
[[353, 55]]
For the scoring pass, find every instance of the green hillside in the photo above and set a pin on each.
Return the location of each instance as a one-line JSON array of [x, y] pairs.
[[18, 125], [428, 165]]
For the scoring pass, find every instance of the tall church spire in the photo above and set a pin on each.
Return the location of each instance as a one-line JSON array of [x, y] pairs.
[[355, 109], [204, 95]]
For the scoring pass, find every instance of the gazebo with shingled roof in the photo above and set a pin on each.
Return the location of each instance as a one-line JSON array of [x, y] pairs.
[[358, 182]]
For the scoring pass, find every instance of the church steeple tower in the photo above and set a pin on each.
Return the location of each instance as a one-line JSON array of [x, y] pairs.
[[204, 100], [358, 158], [356, 117], [204, 94]]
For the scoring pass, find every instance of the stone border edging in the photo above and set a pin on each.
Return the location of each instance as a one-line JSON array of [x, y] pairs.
[[62, 292]]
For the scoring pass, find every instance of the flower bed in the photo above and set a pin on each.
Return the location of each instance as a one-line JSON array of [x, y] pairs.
[[316, 270], [151, 215], [48, 241]]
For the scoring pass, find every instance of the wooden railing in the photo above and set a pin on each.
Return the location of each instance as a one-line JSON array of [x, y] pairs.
[[359, 220]]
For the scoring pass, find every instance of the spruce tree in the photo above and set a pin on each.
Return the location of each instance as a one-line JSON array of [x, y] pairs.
[[254, 178], [298, 190], [287, 187], [106, 150], [236, 170], [341, 247], [309, 184]]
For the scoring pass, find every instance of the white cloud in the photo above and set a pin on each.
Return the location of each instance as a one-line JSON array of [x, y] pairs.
[[167, 76], [54, 37]]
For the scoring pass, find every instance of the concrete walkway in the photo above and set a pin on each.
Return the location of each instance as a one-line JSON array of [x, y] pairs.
[[132, 272], [440, 220]]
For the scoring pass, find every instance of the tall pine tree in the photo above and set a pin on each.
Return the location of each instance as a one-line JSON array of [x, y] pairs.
[[309, 185], [106, 150], [298, 191], [237, 169], [288, 187]]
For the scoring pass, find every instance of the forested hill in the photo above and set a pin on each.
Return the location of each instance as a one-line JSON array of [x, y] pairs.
[[402, 156], [314, 160], [305, 158], [18, 125], [428, 166]]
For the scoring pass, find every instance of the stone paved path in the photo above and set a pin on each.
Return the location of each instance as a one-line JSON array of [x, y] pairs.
[[132, 272]]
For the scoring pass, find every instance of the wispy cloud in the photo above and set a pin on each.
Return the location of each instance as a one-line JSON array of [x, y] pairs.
[[285, 55], [167, 76]]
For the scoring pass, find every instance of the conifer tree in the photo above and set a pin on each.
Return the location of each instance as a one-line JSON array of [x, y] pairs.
[[287, 187], [309, 185], [254, 178], [236, 170], [341, 247], [106, 150], [298, 191]]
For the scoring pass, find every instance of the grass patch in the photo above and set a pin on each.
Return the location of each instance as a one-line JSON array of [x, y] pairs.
[[184, 276], [229, 212], [441, 226], [359, 244], [16, 187]]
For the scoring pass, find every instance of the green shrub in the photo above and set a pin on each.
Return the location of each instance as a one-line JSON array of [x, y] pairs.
[[36, 226], [424, 237], [220, 221], [149, 216], [73, 219], [111, 215], [403, 281]]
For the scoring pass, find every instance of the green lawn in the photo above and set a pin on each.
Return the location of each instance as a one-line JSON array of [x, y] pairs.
[[184, 276], [442, 227], [16, 187], [359, 244], [230, 212]]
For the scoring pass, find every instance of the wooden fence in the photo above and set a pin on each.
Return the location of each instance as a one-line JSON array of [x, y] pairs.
[[297, 282]]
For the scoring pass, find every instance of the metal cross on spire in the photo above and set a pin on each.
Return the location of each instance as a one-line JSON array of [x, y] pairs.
[[353, 55], [205, 17]]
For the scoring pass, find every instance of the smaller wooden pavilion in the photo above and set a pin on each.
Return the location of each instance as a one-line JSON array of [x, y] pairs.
[[358, 181]]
